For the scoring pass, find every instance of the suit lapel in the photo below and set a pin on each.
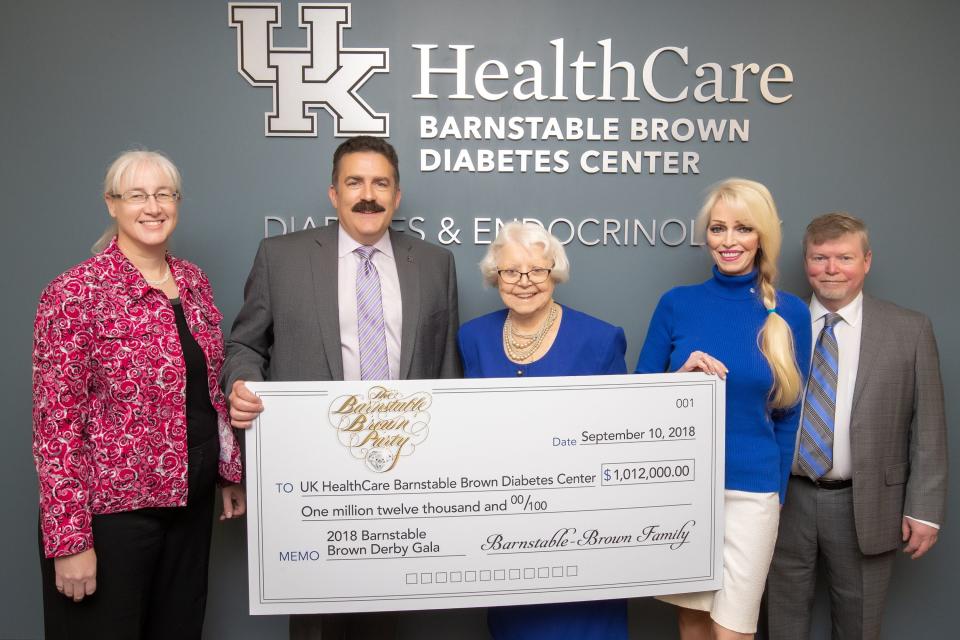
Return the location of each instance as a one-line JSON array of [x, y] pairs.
[[323, 264], [871, 337], [408, 272]]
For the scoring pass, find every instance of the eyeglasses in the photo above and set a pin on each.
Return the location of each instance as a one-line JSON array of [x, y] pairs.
[[140, 197], [535, 276]]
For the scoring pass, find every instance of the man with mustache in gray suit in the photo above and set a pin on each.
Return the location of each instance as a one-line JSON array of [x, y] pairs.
[[307, 311], [870, 470]]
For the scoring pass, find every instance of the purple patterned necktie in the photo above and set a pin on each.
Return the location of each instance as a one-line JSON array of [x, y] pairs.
[[371, 330]]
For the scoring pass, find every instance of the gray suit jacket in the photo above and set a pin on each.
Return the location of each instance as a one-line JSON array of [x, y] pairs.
[[289, 325], [898, 428]]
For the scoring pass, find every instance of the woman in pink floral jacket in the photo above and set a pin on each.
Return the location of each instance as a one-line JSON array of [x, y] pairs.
[[131, 433]]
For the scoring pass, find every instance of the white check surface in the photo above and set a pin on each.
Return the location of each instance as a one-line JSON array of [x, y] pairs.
[[433, 494]]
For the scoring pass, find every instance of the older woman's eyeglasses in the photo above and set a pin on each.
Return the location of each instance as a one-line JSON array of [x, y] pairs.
[[141, 197], [536, 276]]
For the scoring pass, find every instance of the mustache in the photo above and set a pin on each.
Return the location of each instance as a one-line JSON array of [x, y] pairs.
[[368, 206]]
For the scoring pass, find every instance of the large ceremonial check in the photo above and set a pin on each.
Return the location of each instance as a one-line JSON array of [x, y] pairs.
[[426, 494]]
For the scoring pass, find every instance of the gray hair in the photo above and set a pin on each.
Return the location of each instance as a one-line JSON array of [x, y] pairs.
[[527, 235], [121, 168]]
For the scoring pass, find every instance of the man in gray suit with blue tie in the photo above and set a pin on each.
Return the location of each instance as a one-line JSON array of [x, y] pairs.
[[870, 470], [349, 301]]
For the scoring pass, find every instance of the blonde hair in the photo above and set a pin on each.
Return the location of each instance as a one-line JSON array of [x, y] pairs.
[[121, 168], [831, 226], [753, 201], [527, 235]]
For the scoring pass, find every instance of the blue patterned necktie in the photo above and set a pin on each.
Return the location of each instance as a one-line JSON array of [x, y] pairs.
[[371, 330], [820, 404]]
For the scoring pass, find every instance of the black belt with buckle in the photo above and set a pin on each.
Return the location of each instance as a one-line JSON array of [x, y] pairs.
[[829, 485]]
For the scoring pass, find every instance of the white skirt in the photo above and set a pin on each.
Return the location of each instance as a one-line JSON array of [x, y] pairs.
[[749, 536]]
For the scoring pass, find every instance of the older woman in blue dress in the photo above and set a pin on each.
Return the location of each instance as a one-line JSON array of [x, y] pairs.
[[535, 336]]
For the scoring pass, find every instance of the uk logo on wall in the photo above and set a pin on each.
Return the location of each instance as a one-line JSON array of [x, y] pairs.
[[323, 75]]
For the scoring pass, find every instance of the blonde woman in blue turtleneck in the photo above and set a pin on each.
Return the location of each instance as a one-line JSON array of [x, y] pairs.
[[738, 326]]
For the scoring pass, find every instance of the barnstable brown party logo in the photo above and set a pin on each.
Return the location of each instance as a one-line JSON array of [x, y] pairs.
[[382, 425]]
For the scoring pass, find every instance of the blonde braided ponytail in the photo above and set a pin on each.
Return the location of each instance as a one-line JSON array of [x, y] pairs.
[[775, 338]]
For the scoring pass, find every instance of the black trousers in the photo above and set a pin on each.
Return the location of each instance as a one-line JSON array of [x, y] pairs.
[[151, 568]]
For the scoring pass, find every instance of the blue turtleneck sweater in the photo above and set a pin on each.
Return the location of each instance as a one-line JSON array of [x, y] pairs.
[[722, 317]]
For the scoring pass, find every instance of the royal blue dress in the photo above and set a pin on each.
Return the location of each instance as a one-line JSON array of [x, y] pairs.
[[584, 346]]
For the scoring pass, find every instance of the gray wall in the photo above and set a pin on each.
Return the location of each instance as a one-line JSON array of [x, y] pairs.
[[870, 129]]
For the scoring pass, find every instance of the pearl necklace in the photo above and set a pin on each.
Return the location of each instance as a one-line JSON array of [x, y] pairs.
[[157, 283], [519, 346]]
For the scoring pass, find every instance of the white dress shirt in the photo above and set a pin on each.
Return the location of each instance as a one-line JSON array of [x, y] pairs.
[[347, 264], [847, 332]]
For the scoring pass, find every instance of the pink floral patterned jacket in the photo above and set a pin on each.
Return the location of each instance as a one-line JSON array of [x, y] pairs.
[[109, 394]]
